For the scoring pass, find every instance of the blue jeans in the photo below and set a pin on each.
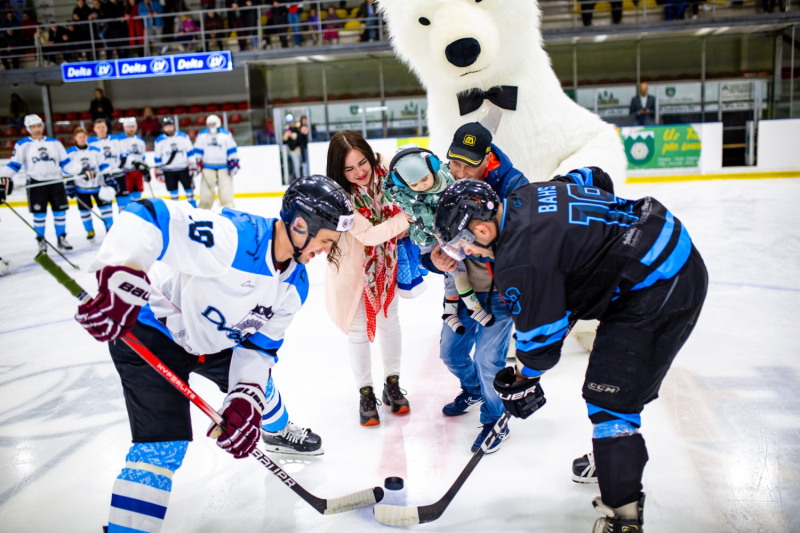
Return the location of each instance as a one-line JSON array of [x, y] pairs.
[[294, 21], [491, 347]]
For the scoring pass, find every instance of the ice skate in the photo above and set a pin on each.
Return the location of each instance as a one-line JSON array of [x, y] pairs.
[[463, 403], [42, 244], [6, 267], [583, 469], [394, 396], [613, 521], [293, 440], [63, 243], [368, 407], [90, 236]]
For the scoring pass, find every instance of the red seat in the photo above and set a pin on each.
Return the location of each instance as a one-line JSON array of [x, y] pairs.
[[231, 130], [58, 117], [23, 132], [211, 108], [86, 116], [195, 108], [118, 126], [162, 111], [312, 98], [227, 106], [200, 121], [244, 105], [235, 118], [192, 134], [294, 100], [351, 96], [278, 101], [179, 109], [71, 141], [132, 112], [400, 92], [90, 127], [184, 122], [117, 113], [58, 127], [9, 144], [71, 128], [71, 116], [12, 132]]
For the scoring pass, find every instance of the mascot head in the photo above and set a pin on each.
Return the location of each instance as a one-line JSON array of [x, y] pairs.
[[466, 44]]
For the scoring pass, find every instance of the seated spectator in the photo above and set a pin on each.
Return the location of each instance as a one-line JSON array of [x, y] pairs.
[[100, 106], [149, 126], [27, 29], [213, 25], [187, 31], [312, 24], [17, 111], [331, 26]]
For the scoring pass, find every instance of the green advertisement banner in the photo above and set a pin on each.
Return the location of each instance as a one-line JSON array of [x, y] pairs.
[[675, 146]]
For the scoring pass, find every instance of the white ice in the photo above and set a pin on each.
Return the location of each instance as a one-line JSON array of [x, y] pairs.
[[723, 438]]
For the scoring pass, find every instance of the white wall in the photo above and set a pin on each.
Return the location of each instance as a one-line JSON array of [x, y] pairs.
[[778, 144]]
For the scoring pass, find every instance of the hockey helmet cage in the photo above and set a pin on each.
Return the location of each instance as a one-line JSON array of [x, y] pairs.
[[461, 202]]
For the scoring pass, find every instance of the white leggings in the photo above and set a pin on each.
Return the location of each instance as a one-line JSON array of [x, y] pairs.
[[388, 334]]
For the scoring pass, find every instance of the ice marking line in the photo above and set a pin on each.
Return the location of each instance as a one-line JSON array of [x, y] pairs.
[[23, 328], [768, 287]]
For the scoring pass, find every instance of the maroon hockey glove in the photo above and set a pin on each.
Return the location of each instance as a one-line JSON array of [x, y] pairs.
[[522, 398], [112, 313], [242, 413], [6, 186]]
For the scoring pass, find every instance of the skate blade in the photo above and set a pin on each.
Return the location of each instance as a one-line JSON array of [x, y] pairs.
[[290, 451], [584, 480]]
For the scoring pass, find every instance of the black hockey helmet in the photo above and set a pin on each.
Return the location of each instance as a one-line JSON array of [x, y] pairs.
[[321, 202], [461, 202], [167, 121]]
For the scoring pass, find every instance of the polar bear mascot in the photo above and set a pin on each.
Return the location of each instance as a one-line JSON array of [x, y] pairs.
[[482, 60]]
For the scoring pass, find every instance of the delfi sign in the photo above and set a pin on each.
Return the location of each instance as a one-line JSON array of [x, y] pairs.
[[147, 67]]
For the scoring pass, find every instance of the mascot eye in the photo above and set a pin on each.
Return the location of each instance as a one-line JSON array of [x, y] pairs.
[[424, 21]]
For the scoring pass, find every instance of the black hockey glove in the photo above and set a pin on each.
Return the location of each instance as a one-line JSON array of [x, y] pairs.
[[6, 187], [141, 167], [72, 190], [111, 182], [521, 399]]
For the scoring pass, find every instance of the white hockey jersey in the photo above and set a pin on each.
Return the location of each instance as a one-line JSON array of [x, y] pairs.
[[87, 158], [41, 160], [219, 287], [111, 152], [215, 149], [179, 144], [133, 149]]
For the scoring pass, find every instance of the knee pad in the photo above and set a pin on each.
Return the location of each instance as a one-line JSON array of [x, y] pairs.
[[620, 464], [153, 463], [608, 424]]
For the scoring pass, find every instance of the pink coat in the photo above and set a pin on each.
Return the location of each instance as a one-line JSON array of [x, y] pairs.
[[344, 289]]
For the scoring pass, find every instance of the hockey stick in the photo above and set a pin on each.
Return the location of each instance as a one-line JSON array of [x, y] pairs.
[[357, 500], [392, 515], [92, 211], [76, 267]]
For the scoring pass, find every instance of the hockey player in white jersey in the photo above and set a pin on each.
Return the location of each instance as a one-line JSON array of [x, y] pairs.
[[42, 159], [222, 289], [89, 168], [6, 186], [112, 155], [218, 158], [133, 151], [175, 160]]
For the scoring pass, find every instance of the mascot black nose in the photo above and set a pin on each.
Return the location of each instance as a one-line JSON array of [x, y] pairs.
[[463, 52]]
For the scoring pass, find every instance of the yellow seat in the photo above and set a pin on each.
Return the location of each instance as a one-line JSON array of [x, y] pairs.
[[353, 25], [342, 13]]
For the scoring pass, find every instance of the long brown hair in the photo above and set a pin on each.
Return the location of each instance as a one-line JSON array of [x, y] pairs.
[[341, 144]]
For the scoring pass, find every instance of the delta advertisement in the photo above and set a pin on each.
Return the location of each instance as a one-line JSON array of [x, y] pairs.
[[657, 147], [116, 69]]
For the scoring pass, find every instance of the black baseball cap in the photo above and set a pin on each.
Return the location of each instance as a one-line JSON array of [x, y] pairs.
[[470, 144]]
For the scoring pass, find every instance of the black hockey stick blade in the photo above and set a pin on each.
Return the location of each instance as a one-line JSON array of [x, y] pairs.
[[392, 515]]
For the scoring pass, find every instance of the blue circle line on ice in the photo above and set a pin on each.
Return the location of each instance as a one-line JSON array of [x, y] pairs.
[[32, 326]]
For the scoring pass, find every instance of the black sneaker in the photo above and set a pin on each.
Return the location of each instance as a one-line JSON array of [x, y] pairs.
[[394, 396], [583, 469], [487, 429], [293, 440], [463, 403], [368, 407], [613, 523]]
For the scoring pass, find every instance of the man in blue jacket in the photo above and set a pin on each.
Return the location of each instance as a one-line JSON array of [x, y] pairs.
[[472, 155]]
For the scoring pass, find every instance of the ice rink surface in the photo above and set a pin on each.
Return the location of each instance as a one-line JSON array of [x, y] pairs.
[[723, 438]]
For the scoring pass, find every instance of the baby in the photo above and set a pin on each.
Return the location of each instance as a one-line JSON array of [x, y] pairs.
[[417, 178]]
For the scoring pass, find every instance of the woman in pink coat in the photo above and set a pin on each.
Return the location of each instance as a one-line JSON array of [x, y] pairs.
[[360, 289]]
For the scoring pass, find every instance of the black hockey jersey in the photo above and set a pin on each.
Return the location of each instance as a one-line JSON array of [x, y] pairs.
[[569, 247]]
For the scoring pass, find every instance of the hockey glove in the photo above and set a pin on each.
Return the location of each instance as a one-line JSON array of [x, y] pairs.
[[233, 167], [160, 174], [72, 190], [522, 399], [194, 170], [242, 412], [112, 313], [141, 167], [112, 182], [6, 186]]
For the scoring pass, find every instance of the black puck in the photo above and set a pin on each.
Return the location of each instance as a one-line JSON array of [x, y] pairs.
[[393, 483]]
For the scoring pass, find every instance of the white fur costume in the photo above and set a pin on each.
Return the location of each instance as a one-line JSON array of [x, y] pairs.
[[548, 134]]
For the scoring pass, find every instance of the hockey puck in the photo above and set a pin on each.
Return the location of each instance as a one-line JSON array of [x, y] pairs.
[[393, 483]]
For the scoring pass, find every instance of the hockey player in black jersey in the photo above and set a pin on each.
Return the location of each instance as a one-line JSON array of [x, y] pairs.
[[567, 250]]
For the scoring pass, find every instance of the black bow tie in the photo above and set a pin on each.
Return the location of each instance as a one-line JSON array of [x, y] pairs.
[[504, 96]]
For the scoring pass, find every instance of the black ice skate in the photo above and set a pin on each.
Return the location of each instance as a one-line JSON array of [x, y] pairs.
[[394, 396], [293, 440], [63, 244], [583, 469], [613, 522]]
